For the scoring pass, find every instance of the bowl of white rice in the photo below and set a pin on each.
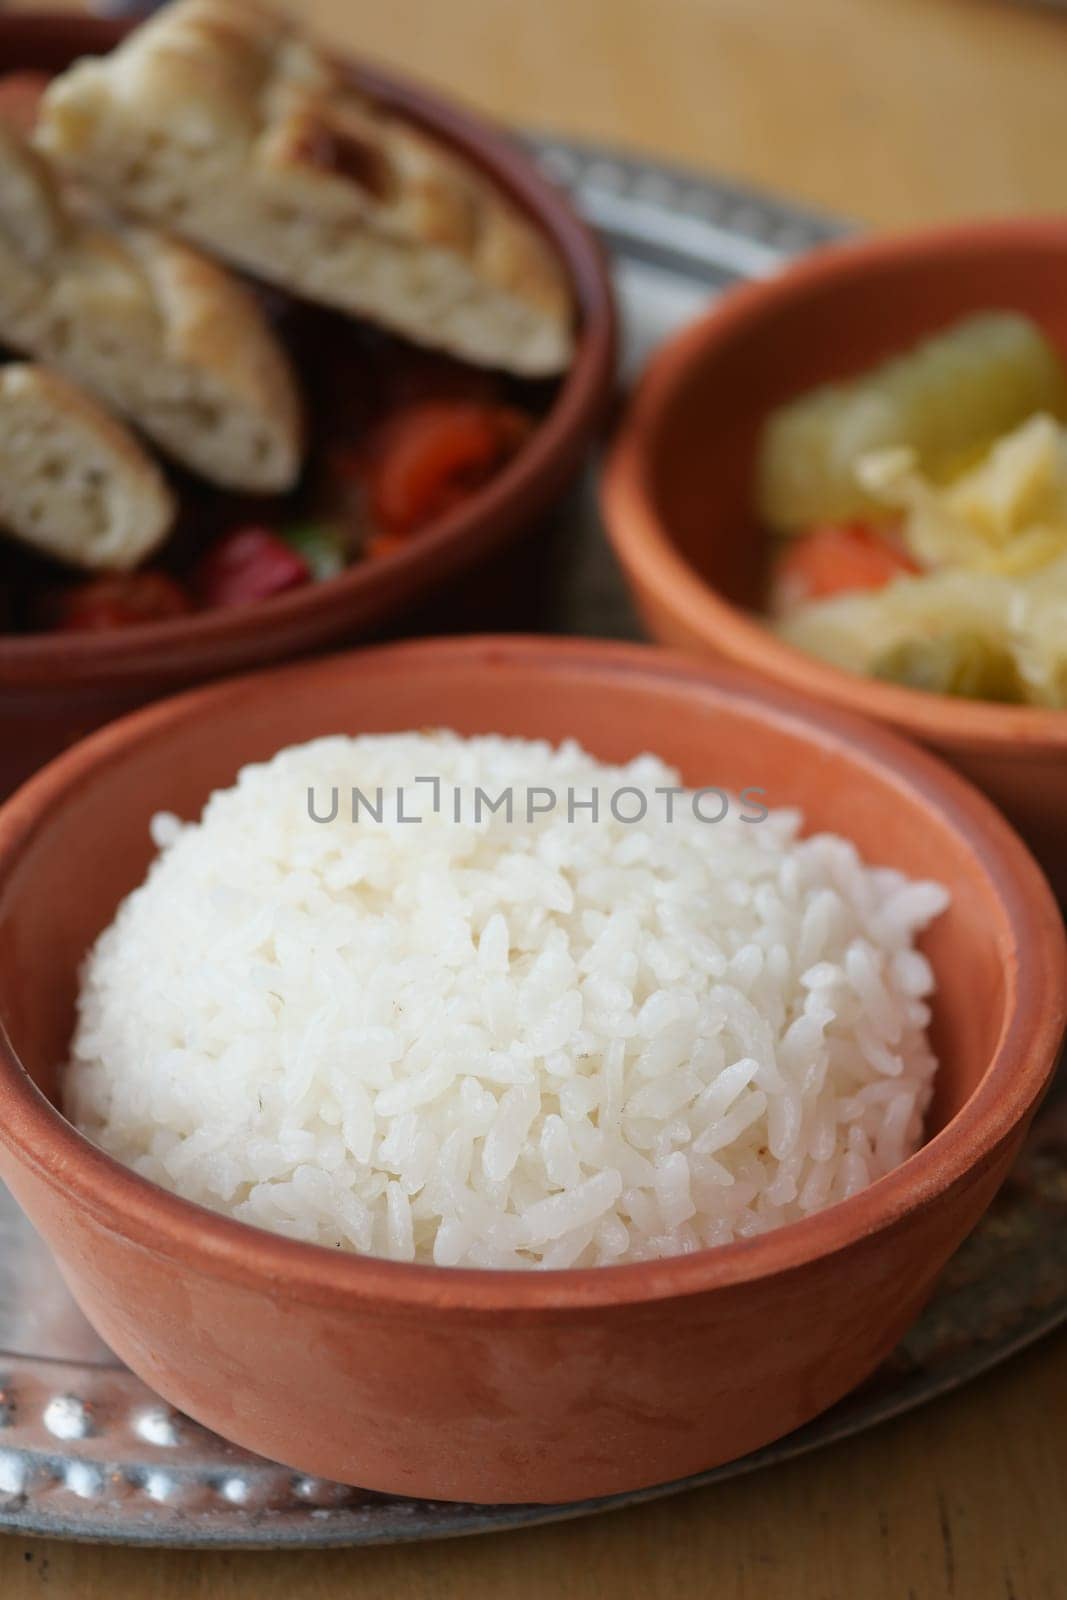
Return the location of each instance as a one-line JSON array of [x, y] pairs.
[[511, 1069]]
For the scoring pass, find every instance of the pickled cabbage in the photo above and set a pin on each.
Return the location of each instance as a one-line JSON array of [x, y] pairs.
[[926, 626], [947, 401]]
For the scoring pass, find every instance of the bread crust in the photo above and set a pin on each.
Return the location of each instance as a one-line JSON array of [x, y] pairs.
[[161, 334], [74, 482], [218, 118]]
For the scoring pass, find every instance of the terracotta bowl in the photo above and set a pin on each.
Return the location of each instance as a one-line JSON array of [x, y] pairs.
[[678, 491], [497, 1386], [55, 688]]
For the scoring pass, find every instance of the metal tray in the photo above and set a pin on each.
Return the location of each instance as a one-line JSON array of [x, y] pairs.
[[87, 1451]]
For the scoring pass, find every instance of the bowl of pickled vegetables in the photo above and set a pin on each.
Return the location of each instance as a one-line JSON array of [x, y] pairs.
[[920, 510], [852, 478]]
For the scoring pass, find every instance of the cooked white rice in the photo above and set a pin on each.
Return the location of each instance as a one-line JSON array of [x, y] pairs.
[[504, 1044]]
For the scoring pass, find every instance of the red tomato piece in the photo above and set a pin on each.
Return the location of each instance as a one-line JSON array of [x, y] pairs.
[[431, 456], [383, 544], [836, 558], [248, 564], [118, 601], [20, 98]]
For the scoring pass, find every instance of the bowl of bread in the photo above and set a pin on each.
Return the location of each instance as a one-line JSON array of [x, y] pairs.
[[288, 345]]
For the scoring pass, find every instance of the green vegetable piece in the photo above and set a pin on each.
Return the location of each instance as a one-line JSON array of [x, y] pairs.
[[321, 544]]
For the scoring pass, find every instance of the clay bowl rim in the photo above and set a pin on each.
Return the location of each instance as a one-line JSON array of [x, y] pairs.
[[652, 561], [37, 1135], [556, 447]]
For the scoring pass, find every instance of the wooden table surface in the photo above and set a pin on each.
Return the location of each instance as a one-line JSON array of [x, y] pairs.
[[893, 111]]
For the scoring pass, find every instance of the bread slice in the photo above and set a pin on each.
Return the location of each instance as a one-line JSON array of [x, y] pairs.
[[74, 483], [164, 336], [220, 120]]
